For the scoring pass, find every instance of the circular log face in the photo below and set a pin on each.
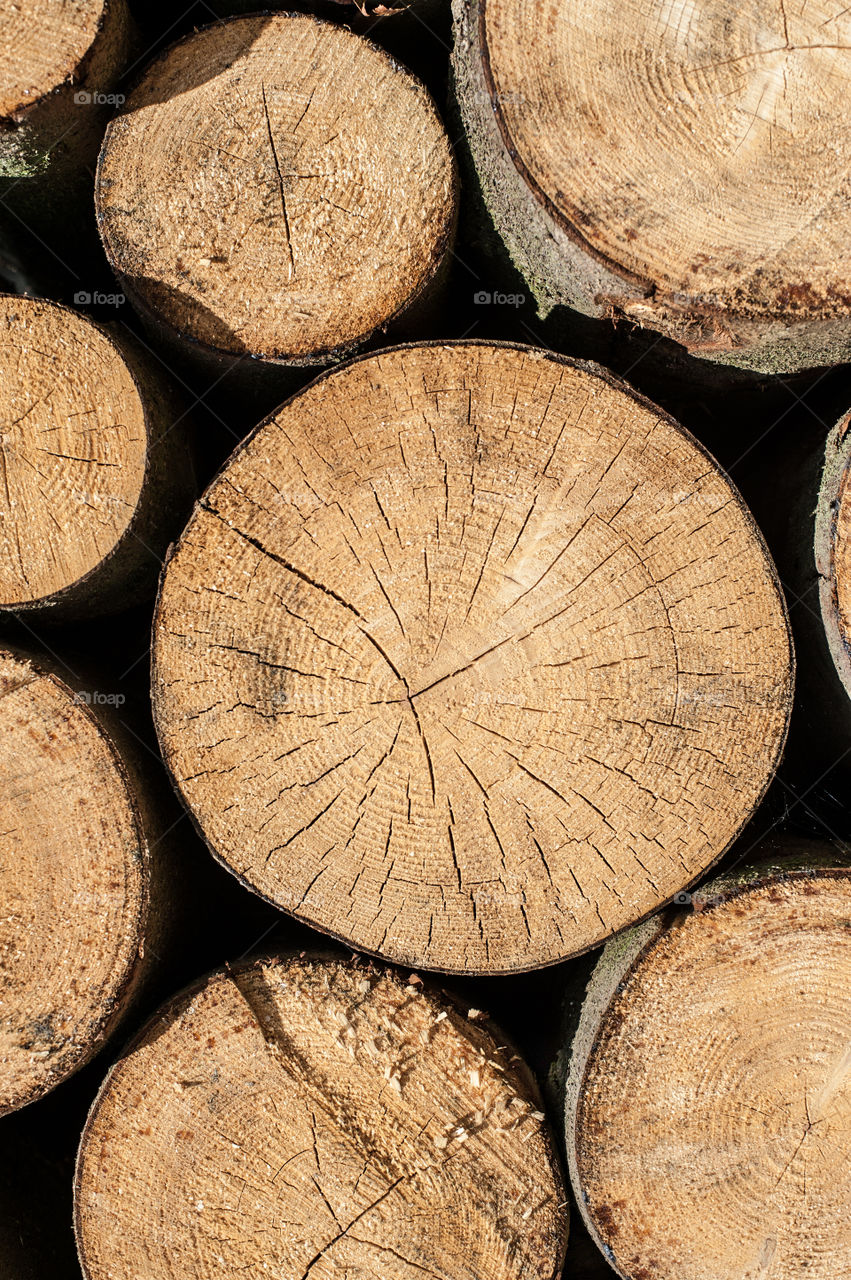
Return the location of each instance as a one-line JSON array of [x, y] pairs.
[[73, 448], [713, 1122], [470, 657], [277, 186], [699, 148], [74, 883], [43, 46], [317, 1119]]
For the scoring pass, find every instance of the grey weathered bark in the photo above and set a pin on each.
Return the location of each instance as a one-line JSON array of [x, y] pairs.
[[799, 488]]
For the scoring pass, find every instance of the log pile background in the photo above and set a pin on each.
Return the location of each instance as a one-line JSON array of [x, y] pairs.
[[767, 432]]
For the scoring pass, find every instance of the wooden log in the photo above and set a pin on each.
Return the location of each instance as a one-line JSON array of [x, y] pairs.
[[277, 189], [59, 67], [97, 476], [314, 1117], [707, 1101], [471, 657], [84, 912], [679, 173]]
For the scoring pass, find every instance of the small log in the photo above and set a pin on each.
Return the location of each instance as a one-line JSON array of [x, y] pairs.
[[680, 174], [96, 471], [277, 189], [707, 1101], [312, 1117], [471, 657], [84, 915]]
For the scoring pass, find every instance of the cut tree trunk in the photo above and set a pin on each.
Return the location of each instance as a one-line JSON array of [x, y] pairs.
[[96, 472], [471, 657], [683, 175], [59, 66], [708, 1101], [84, 912], [277, 189], [318, 1117]]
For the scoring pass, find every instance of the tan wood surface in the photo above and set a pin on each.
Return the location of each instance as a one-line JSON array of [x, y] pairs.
[[318, 1118], [75, 882], [709, 1108], [470, 657], [277, 186]]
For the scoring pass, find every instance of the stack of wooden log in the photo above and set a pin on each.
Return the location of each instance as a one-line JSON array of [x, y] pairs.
[[425, 641]]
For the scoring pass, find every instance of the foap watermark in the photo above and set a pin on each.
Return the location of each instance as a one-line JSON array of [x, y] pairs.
[[95, 98], [485, 298], [88, 498], [83, 298], [498, 896], [97, 698], [497, 100]]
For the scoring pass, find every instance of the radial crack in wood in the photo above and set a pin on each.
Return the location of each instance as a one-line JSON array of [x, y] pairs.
[[471, 657], [314, 1118], [95, 473], [75, 875], [708, 1104], [277, 187]]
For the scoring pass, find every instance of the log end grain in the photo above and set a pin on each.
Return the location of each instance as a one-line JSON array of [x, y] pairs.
[[82, 450], [314, 1117], [678, 168], [709, 1102], [74, 869], [277, 187], [471, 657]]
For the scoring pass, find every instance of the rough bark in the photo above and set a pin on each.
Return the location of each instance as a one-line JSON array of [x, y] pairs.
[[277, 190], [97, 476], [471, 657], [707, 1094], [309, 1116], [88, 890], [628, 172]]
